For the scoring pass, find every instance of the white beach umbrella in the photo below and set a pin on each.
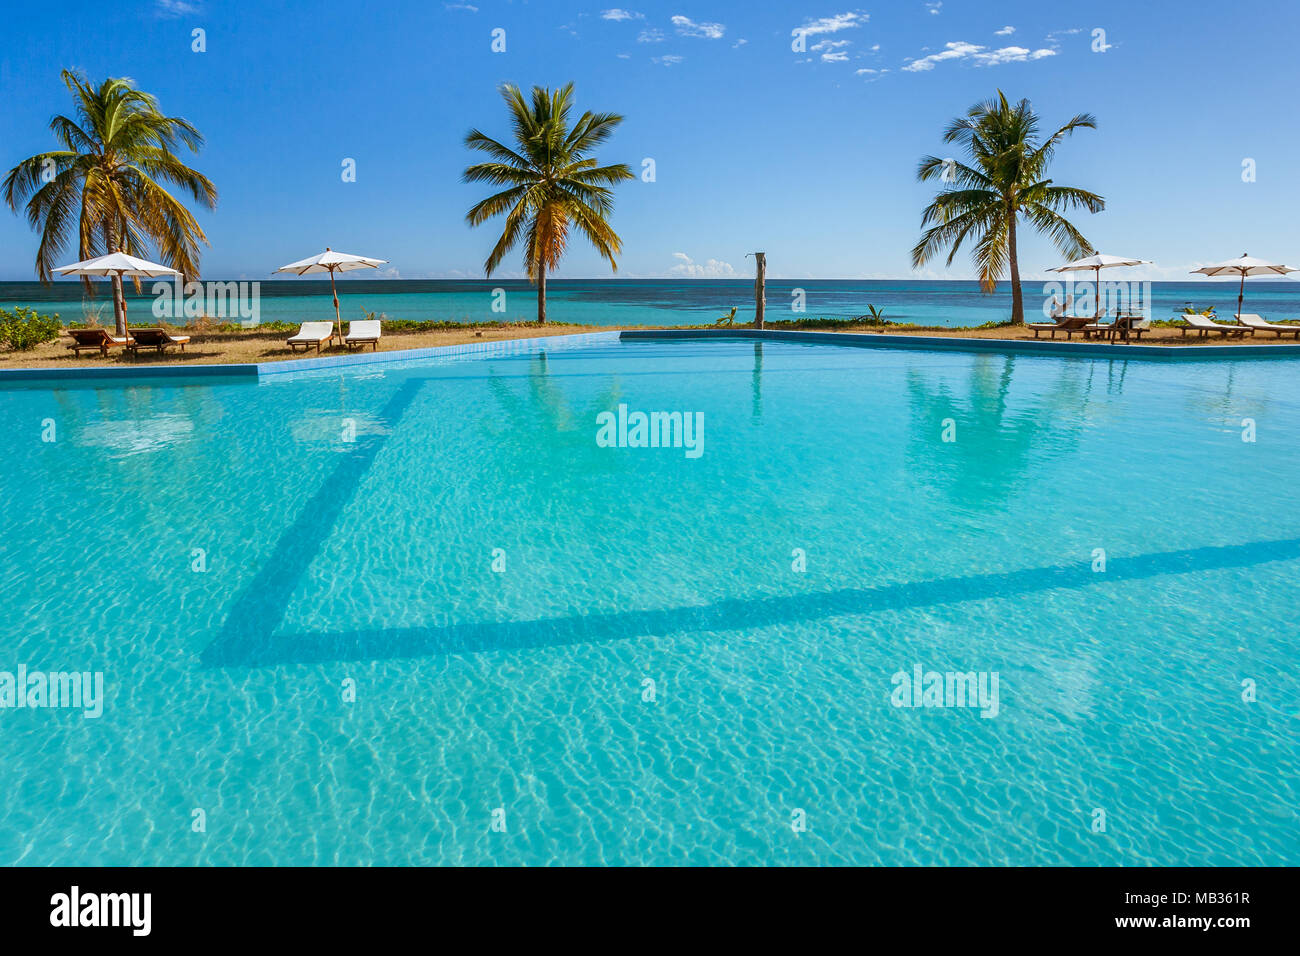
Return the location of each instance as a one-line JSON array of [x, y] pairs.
[[332, 262], [1244, 266], [1094, 264], [118, 264]]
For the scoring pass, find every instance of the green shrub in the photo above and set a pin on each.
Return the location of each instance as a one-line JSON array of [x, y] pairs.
[[23, 329]]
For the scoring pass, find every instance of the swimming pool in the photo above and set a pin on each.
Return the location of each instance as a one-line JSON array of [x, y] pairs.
[[563, 652]]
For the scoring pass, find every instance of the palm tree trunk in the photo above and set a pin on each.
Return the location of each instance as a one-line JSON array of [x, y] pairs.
[[1017, 298], [119, 307], [119, 296], [541, 294]]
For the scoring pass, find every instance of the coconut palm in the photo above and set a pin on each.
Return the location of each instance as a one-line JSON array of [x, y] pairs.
[[107, 184], [1003, 182], [553, 184]]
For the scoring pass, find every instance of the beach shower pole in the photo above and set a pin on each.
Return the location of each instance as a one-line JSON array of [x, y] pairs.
[[760, 294]]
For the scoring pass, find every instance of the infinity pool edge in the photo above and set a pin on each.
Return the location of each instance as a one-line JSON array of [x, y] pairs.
[[514, 346]]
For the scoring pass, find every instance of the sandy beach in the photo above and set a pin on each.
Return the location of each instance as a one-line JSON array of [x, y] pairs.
[[229, 348]]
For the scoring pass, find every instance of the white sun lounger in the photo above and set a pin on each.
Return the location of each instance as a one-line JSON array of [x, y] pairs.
[[312, 333], [1199, 323], [362, 332], [1259, 324]]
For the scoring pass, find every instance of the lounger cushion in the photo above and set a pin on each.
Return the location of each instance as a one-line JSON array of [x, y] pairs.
[[313, 332], [363, 331], [1254, 321]]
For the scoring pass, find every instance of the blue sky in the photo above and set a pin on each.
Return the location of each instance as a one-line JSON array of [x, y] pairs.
[[807, 155]]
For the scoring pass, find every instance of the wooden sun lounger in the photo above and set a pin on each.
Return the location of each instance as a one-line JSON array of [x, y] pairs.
[[1199, 323], [1125, 324], [1258, 323], [363, 332], [1069, 324], [97, 339], [154, 339], [312, 333]]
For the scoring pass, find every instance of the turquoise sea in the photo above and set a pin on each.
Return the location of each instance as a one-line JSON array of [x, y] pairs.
[[416, 613], [657, 301]]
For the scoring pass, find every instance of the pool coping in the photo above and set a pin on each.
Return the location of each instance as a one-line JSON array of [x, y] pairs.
[[101, 373], [494, 347], [947, 343], [259, 370]]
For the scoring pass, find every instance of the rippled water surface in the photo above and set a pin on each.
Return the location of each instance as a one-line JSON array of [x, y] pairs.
[[348, 524]]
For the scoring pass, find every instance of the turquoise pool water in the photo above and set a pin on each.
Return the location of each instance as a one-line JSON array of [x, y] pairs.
[[332, 563]]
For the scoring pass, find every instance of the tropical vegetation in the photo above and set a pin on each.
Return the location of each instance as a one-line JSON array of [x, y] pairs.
[[106, 189], [23, 329], [553, 183], [1003, 182]]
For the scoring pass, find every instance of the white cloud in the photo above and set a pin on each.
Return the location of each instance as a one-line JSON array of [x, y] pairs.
[[616, 14], [650, 36], [1004, 32], [689, 28], [952, 51], [934, 8], [669, 59], [1011, 54], [175, 8], [461, 6], [741, 42], [980, 56], [841, 21], [832, 51], [709, 269]]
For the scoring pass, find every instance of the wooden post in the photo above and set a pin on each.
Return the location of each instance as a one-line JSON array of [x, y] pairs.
[[760, 294], [338, 320]]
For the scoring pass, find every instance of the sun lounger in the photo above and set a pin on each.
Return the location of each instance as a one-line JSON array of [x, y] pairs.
[[1107, 330], [1259, 324], [154, 339], [97, 339], [1126, 324], [363, 332], [1069, 324], [312, 333], [1199, 323]]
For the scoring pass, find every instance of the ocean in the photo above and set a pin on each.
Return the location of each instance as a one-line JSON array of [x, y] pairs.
[[619, 302]]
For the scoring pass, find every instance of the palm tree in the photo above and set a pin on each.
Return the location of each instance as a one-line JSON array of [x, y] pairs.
[[107, 183], [553, 184], [1004, 180]]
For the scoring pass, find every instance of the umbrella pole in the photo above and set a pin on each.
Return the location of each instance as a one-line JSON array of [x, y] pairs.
[[338, 321], [1241, 292], [126, 325]]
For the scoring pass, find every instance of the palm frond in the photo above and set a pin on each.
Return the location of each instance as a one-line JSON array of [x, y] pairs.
[[109, 182], [554, 184], [1002, 180]]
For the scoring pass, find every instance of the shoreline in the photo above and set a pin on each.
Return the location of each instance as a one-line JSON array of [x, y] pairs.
[[261, 347]]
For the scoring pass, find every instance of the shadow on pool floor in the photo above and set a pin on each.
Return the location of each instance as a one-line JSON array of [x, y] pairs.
[[249, 640]]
